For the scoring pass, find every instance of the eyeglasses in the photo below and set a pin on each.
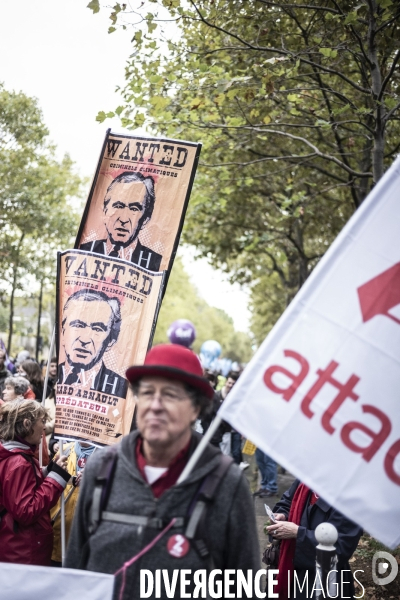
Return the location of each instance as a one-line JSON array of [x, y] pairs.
[[166, 396]]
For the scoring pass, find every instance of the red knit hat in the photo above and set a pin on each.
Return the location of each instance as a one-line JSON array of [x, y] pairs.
[[173, 362]]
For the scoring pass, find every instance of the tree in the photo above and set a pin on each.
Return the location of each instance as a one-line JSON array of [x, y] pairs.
[[182, 301], [297, 106], [36, 216]]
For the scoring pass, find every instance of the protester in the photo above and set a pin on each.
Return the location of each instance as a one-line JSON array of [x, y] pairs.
[[269, 473], [227, 438], [147, 514], [212, 377], [298, 513], [50, 406], [4, 372], [210, 415], [9, 365], [31, 370], [77, 453], [21, 357], [52, 379], [15, 388], [18, 388], [26, 492]]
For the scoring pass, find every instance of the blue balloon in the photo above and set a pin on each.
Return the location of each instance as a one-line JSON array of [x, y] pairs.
[[209, 352]]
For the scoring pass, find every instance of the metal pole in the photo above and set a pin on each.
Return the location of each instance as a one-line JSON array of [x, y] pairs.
[[46, 379], [200, 449], [62, 515], [71, 491], [326, 574], [38, 321]]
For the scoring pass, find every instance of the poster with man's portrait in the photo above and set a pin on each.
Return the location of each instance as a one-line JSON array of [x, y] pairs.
[[106, 309], [138, 200]]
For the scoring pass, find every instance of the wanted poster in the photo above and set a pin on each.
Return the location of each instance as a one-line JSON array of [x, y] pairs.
[[106, 311], [138, 199]]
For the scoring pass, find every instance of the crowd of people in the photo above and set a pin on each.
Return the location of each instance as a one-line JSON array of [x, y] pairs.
[[128, 506], [24, 379]]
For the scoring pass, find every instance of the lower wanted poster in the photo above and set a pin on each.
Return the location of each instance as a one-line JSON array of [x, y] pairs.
[[106, 311]]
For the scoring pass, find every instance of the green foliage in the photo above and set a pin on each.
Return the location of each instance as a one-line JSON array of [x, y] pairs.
[[94, 5], [4, 316], [297, 109], [36, 214], [182, 301]]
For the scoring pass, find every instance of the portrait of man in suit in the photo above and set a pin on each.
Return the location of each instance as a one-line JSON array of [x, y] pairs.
[[91, 324], [127, 208]]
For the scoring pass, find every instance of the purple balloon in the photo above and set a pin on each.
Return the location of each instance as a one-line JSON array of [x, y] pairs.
[[182, 332]]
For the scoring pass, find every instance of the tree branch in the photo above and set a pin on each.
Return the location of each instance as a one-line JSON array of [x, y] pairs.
[[391, 112], [378, 29], [389, 75], [280, 51]]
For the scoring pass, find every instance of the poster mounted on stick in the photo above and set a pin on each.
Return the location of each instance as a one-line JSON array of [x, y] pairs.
[[106, 311], [321, 395], [138, 199]]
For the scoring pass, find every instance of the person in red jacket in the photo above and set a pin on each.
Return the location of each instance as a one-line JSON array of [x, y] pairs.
[[26, 492]]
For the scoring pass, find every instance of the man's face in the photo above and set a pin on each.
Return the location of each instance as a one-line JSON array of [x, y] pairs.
[[53, 370], [165, 412], [124, 209], [229, 384], [86, 332]]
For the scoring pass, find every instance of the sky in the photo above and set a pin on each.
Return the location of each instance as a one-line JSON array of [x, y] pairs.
[[61, 53]]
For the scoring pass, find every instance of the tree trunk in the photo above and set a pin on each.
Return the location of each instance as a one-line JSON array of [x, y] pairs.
[[14, 287], [11, 318], [38, 321], [376, 84]]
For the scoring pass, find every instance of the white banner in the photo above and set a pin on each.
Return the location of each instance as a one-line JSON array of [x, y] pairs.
[[20, 582], [322, 394]]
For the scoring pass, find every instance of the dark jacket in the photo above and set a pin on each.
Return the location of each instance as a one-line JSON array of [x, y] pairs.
[[230, 521], [141, 256], [26, 495], [207, 420], [4, 373], [305, 554]]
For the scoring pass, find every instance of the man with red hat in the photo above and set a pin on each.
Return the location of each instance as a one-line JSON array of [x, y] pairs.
[[134, 518]]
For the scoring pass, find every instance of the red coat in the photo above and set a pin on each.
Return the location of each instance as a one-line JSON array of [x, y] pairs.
[[26, 533]]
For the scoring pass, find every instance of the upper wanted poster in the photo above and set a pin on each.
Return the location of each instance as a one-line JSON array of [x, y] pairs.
[[138, 199]]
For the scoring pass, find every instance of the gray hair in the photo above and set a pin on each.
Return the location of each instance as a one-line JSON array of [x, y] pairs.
[[97, 296], [19, 383], [149, 199]]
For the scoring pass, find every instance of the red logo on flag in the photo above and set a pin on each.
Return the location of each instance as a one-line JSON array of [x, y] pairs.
[[379, 295], [178, 545]]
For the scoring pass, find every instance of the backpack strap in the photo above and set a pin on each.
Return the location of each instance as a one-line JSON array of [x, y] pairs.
[[102, 488], [196, 529]]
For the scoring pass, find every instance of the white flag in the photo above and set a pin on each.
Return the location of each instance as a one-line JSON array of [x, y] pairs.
[[19, 582], [322, 394]]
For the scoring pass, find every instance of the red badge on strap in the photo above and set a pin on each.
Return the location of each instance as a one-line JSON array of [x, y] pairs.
[[178, 545]]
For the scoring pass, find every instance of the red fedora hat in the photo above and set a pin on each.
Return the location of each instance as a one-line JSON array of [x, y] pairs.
[[173, 362]]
